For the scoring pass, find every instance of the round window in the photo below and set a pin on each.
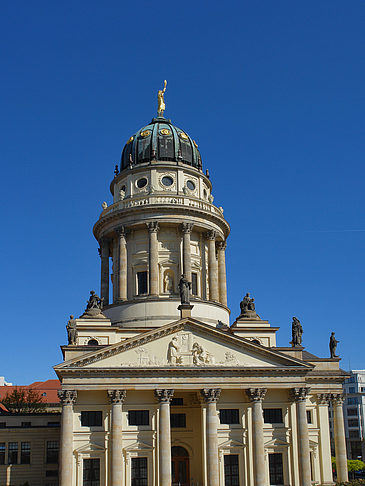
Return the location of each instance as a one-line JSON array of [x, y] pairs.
[[167, 181], [141, 182], [190, 185]]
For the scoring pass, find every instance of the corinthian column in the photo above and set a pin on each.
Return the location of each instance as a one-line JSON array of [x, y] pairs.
[[256, 396], [122, 264], [116, 398], [164, 436], [300, 397], [186, 229], [211, 396], [104, 255], [324, 438], [67, 398], [221, 245], [153, 228], [212, 267], [340, 441]]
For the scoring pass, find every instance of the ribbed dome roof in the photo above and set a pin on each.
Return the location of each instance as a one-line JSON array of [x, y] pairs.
[[160, 140]]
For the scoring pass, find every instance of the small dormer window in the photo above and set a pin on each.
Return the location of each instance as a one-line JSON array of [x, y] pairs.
[[92, 342]]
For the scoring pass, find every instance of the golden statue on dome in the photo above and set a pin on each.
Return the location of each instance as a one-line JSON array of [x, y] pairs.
[[160, 100]]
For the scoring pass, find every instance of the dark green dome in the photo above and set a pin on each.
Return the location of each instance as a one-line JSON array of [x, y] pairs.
[[160, 140]]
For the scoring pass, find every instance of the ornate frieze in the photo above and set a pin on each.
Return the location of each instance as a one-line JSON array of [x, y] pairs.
[[164, 395], [210, 394], [67, 397], [116, 397], [299, 394], [256, 394]]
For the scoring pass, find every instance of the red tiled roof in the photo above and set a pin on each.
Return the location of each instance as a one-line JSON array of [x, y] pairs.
[[47, 389]]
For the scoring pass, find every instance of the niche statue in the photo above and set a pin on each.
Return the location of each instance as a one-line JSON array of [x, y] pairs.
[[184, 288], [296, 331], [333, 345], [71, 331]]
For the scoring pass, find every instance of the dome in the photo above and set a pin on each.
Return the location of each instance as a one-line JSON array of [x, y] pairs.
[[160, 140]]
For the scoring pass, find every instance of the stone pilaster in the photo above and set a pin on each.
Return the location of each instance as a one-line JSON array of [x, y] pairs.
[[340, 441], [104, 255], [122, 264], [256, 396], [211, 396], [222, 279], [324, 438], [164, 397], [299, 395], [153, 228], [212, 267], [116, 398], [67, 398], [186, 229]]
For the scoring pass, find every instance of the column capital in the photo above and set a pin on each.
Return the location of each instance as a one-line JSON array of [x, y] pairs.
[[121, 231], [210, 395], [153, 226], [221, 245], [164, 395], [299, 394], [67, 397], [104, 247], [116, 397], [256, 394], [323, 398], [337, 398], [186, 227], [210, 235]]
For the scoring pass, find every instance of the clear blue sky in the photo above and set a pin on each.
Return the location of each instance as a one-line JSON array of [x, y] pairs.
[[273, 92]]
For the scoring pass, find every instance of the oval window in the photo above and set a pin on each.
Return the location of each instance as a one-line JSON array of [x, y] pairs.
[[141, 182], [167, 181], [190, 185]]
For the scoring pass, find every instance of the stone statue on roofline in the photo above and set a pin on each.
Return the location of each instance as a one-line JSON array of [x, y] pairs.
[[71, 331], [333, 345], [297, 331], [247, 306], [184, 289], [94, 307]]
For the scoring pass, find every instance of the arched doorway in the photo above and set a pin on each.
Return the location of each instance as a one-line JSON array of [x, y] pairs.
[[180, 466]]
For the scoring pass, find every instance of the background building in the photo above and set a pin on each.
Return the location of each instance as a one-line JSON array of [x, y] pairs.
[[354, 412]]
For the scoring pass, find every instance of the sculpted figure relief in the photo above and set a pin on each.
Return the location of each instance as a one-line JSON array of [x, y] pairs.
[[173, 356], [297, 332], [71, 331], [184, 288], [333, 345]]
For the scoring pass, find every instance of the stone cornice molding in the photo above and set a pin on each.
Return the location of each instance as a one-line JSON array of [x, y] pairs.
[[300, 394], [210, 395], [67, 397], [153, 226], [186, 227], [221, 245], [211, 235], [337, 398], [323, 398], [116, 397], [164, 395], [256, 394]]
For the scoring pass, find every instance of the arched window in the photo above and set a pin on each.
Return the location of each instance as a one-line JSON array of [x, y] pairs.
[[92, 342]]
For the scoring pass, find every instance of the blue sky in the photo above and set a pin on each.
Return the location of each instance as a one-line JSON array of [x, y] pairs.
[[273, 92]]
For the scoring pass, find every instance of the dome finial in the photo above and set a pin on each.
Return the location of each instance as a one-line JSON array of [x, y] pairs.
[[160, 100]]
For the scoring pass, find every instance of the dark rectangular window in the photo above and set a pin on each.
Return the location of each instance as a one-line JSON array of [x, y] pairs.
[[91, 472], [354, 434], [2, 425], [53, 424], [231, 470], [276, 468], [53, 473], [352, 401], [141, 283], [52, 452], [25, 453], [91, 418], [309, 416], [139, 471], [351, 411], [2, 453], [353, 422], [273, 415], [229, 416], [138, 417], [194, 284], [176, 402], [178, 420], [13, 453], [26, 424]]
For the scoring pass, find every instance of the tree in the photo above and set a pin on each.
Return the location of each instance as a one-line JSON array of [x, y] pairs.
[[23, 400]]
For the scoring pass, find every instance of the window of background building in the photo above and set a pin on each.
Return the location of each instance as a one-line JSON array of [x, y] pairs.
[[353, 422], [231, 470], [351, 389], [52, 452], [352, 401], [13, 453], [2, 453], [353, 434], [91, 472], [229, 416], [350, 380], [194, 283], [25, 453], [178, 420], [141, 283], [351, 411], [276, 468], [138, 417], [273, 415], [139, 471], [91, 418]]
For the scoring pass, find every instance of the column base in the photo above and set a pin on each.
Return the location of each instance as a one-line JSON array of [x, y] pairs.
[[185, 310]]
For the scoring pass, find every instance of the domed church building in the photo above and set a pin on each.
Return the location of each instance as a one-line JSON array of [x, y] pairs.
[[157, 388]]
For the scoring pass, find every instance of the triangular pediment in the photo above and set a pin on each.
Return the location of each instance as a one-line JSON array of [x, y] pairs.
[[89, 447], [186, 343], [231, 444]]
